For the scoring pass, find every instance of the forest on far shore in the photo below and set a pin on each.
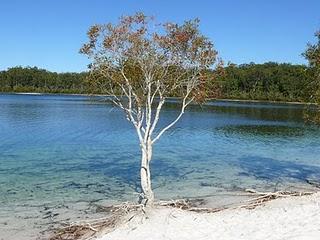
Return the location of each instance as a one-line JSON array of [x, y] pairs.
[[269, 81]]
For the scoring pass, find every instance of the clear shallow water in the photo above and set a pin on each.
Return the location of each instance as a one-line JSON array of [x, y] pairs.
[[60, 155]]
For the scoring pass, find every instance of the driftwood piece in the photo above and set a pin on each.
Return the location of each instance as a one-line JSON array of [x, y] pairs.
[[189, 205], [263, 197], [259, 199], [87, 229]]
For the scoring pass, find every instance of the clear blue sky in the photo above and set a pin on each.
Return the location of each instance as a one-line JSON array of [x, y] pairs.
[[49, 33]]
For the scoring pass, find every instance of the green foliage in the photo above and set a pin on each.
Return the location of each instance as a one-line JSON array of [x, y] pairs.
[[312, 54], [33, 79], [269, 81]]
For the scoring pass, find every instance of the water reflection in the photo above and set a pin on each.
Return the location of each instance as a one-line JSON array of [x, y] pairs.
[[265, 130]]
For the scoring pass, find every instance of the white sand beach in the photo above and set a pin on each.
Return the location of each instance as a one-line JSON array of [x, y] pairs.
[[294, 218]]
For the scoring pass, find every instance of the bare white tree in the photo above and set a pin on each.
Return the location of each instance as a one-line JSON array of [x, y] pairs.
[[140, 64]]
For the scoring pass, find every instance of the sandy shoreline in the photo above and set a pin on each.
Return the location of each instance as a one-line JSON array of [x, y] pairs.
[[286, 218]]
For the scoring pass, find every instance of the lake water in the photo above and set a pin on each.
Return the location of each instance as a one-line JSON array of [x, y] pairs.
[[60, 156]]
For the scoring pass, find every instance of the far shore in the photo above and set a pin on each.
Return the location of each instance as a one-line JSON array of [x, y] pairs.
[[210, 99]]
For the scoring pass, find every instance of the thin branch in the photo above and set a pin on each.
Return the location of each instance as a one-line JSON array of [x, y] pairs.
[[184, 105]]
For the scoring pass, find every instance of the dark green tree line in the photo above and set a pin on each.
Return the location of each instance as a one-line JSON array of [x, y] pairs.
[[269, 81], [33, 79]]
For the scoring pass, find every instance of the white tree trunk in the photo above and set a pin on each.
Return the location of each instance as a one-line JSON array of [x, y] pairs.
[[147, 197]]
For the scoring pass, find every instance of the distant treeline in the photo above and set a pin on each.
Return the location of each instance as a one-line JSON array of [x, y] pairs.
[[33, 79], [268, 81]]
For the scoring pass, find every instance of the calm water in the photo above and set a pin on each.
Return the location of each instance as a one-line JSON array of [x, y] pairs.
[[61, 155]]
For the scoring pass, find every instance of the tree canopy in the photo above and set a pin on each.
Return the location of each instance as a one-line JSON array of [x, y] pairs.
[[140, 48], [312, 54]]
